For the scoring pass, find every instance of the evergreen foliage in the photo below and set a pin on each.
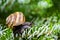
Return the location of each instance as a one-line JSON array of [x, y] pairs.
[[47, 19]]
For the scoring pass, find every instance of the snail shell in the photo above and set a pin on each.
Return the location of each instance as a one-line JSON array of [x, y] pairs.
[[15, 19]]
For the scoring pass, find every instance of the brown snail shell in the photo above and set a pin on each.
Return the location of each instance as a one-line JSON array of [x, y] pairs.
[[14, 19]]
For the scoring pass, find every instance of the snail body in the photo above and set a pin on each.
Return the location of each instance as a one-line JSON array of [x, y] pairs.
[[17, 22]]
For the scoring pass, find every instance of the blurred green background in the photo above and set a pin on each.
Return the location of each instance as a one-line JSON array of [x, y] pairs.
[[30, 8], [43, 11]]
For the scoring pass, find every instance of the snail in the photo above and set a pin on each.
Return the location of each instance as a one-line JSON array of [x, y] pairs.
[[16, 21]]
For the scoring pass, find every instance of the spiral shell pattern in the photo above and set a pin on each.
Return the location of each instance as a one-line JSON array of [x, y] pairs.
[[15, 19]]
